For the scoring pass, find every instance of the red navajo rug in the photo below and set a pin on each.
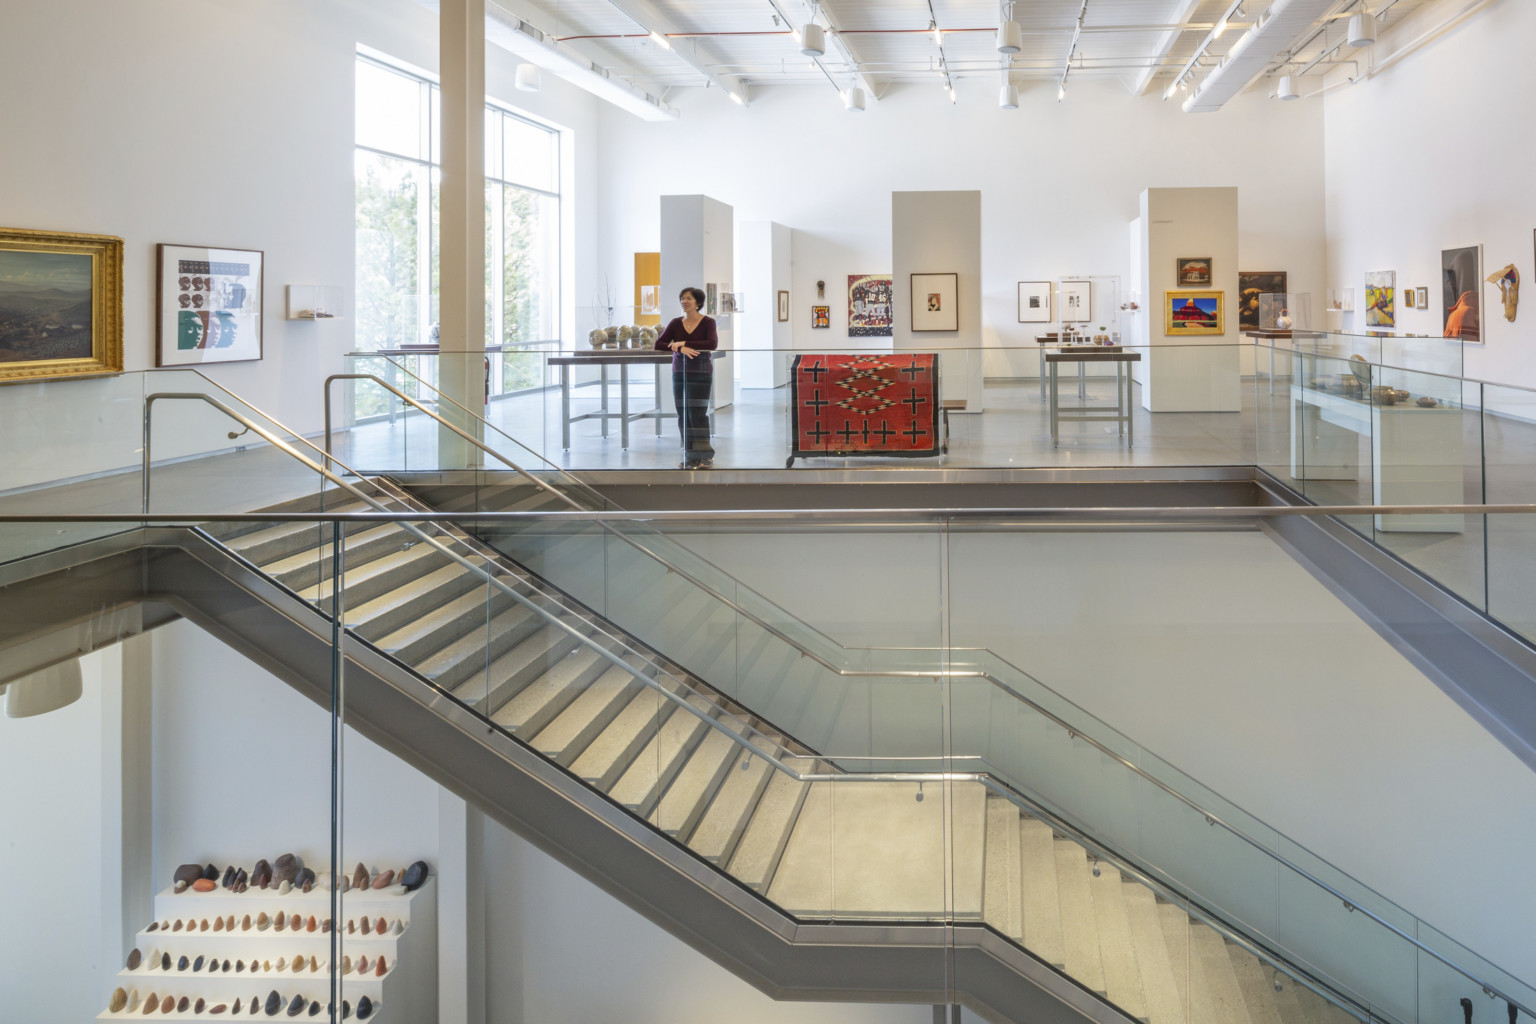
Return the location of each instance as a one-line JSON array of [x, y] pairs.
[[865, 405]]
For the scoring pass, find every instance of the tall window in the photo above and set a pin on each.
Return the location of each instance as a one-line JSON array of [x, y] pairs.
[[398, 171]]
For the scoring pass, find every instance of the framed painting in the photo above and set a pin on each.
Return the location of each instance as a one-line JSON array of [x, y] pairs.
[[711, 299], [61, 305], [1408, 301], [1076, 301], [783, 306], [821, 317], [935, 302], [869, 305], [1034, 302], [1250, 285], [1191, 313], [209, 305], [1461, 283], [1381, 298], [1193, 272]]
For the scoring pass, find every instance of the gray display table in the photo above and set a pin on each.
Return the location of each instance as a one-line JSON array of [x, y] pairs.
[[1120, 412], [655, 360]]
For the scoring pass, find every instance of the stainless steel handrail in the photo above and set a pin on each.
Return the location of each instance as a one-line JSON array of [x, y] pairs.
[[454, 556]]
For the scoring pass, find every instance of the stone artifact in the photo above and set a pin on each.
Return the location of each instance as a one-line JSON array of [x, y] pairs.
[[382, 968], [202, 925], [119, 1001], [284, 887], [198, 1006], [282, 964], [182, 1004], [305, 880], [314, 1007], [225, 967], [181, 887], [167, 1004], [364, 1008], [133, 1001], [261, 874], [278, 921], [218, 1008], [165, 961], [381, 928], [229, 877], [181, 964], [360, 878], [239, 966], [286, 868], [1426, 402], [263, 922], [134, 959], [235, 1008], [415, 876], [197, 964], [385, 878], [311, 924], [151, 1003], [188, 873], [154, 926], [274, 1003], [211, 873], [245, 925], [296, 1006], [218, 924]]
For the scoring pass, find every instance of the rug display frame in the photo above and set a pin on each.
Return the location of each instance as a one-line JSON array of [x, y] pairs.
[[866, 404]]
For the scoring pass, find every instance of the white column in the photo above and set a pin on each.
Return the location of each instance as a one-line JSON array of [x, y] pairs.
[[461, 935]]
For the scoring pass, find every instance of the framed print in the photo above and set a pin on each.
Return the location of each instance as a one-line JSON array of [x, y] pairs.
[[1408, 298], [1250, 285], [650, 299], [1035, 302], [1191, 313], [935, 302], [1421, 297], [821, 316], [209, 305], [711, 299], [61, 305], [1076, 301], [783, 306], [1381, 298], [1461, 296], [1193, 272], [869, 305]]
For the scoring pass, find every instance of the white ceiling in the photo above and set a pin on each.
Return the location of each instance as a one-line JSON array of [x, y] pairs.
[[747, 44]]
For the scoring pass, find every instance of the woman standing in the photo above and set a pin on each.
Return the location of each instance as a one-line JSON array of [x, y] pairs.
[[689, 338]]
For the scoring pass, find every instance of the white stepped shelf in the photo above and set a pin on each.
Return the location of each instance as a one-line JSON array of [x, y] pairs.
[[406, 992]]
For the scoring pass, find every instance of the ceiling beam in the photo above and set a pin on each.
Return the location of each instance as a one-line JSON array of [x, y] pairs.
[[651, 21], [1183, 10]]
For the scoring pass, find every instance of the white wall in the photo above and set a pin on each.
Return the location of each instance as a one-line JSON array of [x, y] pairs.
[[940, 232], [217, 124], [1426, 154], [1059, 182]]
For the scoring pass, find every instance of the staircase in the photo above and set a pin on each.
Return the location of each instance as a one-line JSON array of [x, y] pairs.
[[816, 841]]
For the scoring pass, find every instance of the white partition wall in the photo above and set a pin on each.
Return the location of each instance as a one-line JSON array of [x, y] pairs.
[[762, 341], [698, 249], [1189, 374], [940, 233]]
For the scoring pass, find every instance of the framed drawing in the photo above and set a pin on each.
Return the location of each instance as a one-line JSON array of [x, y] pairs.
[[1421, 297], [650, 299], [1076, 301], [1461, 283], [61, 305], [783, 306], [935, 302], [711, 299], [1190, 313], [1381, 298], [1194, 272], [209, 305], [1250, 285], [869, 305], [1034, 302], [821, 316]]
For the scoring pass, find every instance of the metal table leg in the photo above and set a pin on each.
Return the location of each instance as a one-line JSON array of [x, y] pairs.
[[1040, 354], [1082, 382], [1130, 412], [657, 397], [1054, 425], [623, 406], [565, 407], [604, 406]]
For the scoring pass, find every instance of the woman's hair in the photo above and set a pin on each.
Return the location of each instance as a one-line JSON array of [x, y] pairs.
[[698, 296]]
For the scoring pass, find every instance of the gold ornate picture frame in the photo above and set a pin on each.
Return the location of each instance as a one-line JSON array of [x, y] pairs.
[[1191, 313], [61, 305]]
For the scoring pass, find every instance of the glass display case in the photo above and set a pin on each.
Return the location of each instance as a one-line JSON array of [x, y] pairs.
[[1285, 311]]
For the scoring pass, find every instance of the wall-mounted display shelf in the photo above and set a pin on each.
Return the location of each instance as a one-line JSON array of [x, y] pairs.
[[314, 301], [1341, 300]]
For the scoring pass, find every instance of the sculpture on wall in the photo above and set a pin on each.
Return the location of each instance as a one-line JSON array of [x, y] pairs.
[[1508, 280]]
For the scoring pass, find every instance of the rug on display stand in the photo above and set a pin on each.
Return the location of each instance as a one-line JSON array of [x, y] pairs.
[[885, 405]]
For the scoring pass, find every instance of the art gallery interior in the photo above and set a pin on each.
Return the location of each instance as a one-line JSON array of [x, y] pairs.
[[1180, 671]]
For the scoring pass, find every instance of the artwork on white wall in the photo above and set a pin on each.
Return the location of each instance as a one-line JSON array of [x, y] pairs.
[[209, 305], [935, 302], [1381, 298], [1076, 300], [1034, 302], [1461, 282]]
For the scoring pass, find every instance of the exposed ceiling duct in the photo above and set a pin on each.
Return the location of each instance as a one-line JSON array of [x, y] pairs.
[[1270, 36]]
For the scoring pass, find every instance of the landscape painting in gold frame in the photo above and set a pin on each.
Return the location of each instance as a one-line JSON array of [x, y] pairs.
[[1189, 314], [61, 305]]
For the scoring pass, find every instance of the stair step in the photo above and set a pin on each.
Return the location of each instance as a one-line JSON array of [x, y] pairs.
[[1174, 924], [312, 565], [662, 757], [616, 746], [757, 856], [1000, 889], [1254, 982], [1078, 930], [570, 733], [1122, 971], [1211, 973], [452, 661], [476, 613], [688, 797], [538, 703], [1164, 1004], [1041, 910], [364, 583], [267, 544], [396, 609], [729, 813], [517, 669]]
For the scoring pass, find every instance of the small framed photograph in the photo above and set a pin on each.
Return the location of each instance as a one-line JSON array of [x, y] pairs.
[[61, 305], [209, 308], [1189, 313], [1035, 302], [1421, 297], [821, 316], [1194, 272], [935, 302], [1076, 301], [783, 306]]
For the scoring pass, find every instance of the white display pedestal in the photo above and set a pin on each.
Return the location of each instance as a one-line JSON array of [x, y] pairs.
[[407, 992], [1415, 453]]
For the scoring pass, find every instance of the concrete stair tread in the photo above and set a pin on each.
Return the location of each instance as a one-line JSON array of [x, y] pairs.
[[362, 545], [1164, 1004], [507, 675], [1041, 903], [726, 819], [377, 576], [1001, 903], [1174, 924], [685, 800], [1078, 930], [476, 612], [393, 610], [536, 705], [567, 736], [1211, 974], [483, 641], [660, 759], [1122, 970], [1255, 982], [757, 855], [613, 749]]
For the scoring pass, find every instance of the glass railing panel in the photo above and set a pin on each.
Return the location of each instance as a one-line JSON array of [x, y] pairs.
[[1509, 450], [1275, 383], [1446, 979], [1332, 432]]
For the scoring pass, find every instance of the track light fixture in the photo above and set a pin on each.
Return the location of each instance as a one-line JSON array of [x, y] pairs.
[[1008, 96], [938, 37], [660, 40], [1287, 89], [1362, 30], [528, 78], [813, 40], [853, 99]]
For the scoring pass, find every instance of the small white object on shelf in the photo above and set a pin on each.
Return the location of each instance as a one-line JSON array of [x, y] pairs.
[[1341, 300], [314, 301]]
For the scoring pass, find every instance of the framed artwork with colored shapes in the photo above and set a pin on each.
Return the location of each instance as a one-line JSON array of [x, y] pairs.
[[821, 316], [61, 305], [209, 305]]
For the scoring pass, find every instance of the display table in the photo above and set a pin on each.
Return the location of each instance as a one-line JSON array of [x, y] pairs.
[[1046, 342], [641, 357], [1416, 453], [886, 405], [1119, 413]]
